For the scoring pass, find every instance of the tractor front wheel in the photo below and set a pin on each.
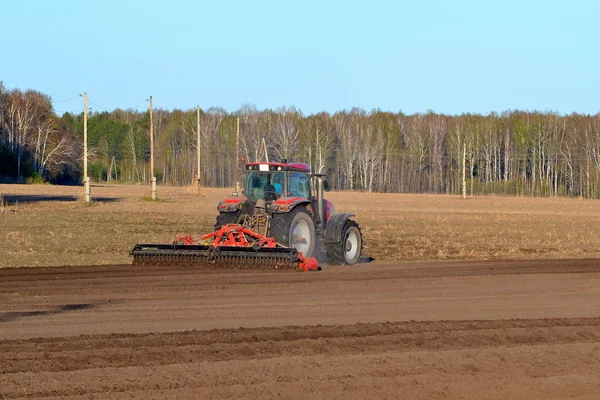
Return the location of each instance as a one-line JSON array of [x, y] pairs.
[[348, 250], [294, 229]]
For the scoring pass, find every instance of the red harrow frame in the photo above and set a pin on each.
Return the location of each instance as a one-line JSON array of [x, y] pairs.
[[233, 246]]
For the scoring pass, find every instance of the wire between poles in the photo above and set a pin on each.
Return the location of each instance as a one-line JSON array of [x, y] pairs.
[[69, 99]]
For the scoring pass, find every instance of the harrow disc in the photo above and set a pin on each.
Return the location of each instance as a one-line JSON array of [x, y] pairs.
[[213, 257]]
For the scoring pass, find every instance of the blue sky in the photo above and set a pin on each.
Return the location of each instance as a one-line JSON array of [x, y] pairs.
[[447, 56]]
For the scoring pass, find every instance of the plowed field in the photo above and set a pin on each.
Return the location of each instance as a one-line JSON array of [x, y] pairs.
[[472, 330]]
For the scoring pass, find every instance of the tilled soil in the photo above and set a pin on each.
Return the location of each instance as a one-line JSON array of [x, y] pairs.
[[484, 330]]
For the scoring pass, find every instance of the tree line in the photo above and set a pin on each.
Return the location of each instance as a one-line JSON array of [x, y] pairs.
[[34, 143], [513, 153]]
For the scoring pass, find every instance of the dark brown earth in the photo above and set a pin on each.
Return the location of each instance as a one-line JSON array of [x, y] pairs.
[[471, 330]]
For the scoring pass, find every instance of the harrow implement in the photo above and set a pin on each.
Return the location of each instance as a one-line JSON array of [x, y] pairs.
[[233, 246]]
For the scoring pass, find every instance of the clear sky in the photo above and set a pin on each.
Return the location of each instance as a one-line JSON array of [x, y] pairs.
[[411, 56]]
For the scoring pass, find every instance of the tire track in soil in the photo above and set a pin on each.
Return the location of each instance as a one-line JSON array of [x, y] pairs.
[[270, 362], [337, 273], [100, 351]]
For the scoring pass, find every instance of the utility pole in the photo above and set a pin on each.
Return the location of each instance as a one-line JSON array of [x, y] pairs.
[[152, 177], [86, 178], [199, 182], [464, 171], [236, 170]]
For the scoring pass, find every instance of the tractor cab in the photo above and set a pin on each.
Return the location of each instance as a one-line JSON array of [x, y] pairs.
[[273, 181], [269, 188]]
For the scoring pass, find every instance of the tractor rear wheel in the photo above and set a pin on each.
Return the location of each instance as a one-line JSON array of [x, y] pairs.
[[225, 218], [348, 250], [294, 229]]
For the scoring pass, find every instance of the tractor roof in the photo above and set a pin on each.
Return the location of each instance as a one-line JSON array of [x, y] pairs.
[[278, 166]]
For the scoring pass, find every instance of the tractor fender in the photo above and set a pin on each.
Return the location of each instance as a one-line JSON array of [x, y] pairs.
[[287, 204], [231, 204], [335, 225]]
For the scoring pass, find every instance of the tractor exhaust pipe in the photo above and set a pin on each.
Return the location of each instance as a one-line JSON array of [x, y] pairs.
[[320, 202]]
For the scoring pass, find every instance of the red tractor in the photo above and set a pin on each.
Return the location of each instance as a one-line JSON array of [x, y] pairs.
[[284, 201]]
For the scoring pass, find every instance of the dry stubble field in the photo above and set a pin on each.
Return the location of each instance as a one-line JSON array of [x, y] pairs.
[[503, 320], [49, 225]]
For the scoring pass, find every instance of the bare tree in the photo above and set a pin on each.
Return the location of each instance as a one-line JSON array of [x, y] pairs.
[[286, 136], [318, 141]]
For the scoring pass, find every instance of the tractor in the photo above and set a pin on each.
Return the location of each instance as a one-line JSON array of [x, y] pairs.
[[285, 201]]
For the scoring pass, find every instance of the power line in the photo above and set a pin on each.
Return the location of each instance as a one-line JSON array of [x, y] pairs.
[[98, 105], [69, 99], [139, 104]]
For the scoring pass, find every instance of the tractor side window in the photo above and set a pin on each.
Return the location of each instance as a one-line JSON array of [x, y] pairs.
[[299, 185]]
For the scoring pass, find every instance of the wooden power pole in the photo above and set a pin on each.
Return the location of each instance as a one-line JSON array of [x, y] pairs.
[[86, 178], [236, 165], [198, 179], [464, 171], [152, 177]]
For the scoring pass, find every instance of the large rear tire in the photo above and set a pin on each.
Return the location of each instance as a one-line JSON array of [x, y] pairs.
[[348, 250], [295, 229], [225, 218]]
